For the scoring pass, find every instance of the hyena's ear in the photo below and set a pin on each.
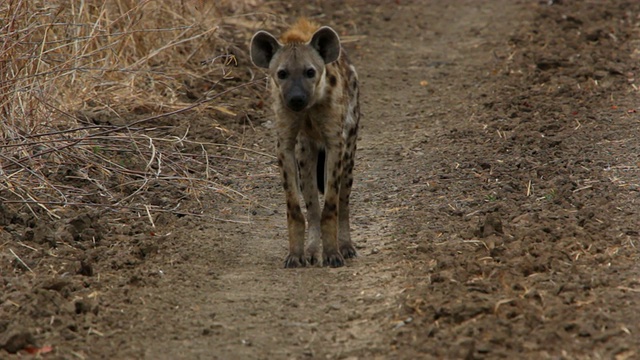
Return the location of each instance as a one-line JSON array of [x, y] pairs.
[[263, 47], [327, 43]]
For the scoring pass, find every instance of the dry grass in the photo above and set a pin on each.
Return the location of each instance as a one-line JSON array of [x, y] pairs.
[[65, 67]]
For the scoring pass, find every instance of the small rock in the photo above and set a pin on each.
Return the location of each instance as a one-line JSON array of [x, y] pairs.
[[246, 342], [55, 284]]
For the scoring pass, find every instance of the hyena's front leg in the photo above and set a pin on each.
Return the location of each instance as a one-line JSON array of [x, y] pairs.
[[295, 220], [307, 156], [329, 219]]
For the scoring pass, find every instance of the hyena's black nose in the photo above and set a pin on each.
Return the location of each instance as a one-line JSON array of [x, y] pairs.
[[297, 102]]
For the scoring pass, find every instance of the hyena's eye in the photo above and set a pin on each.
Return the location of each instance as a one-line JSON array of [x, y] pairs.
[[282, 74], [311, 73]]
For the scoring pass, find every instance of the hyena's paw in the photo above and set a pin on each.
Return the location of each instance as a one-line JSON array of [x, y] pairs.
[[314, 257], [348, 251], [333, 259], [294, 261]]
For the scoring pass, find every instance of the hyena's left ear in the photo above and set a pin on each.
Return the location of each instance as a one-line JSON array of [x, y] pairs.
[[327, 43], [263, 47]]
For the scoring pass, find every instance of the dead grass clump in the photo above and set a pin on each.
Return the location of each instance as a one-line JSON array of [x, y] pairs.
[[128, 60]]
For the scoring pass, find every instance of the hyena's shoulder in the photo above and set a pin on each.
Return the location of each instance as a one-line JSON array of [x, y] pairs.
[[342, 73]]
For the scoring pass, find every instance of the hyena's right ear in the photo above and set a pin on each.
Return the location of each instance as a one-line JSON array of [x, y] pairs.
[[263, 47]]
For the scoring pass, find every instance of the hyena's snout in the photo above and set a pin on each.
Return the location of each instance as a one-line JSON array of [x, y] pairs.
[[296, 98]]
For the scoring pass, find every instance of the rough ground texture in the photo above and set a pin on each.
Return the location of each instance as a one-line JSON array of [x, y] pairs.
[[496, 210]]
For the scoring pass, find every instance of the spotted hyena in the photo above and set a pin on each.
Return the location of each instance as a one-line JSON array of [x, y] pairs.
[[315, 99]]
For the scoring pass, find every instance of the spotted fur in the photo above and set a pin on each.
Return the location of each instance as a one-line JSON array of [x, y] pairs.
[[315, 98]]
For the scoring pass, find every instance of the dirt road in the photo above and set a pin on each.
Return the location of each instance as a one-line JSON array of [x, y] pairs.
[[495, 209]]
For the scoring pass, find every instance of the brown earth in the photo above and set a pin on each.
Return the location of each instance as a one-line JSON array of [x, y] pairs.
[[496, 210]]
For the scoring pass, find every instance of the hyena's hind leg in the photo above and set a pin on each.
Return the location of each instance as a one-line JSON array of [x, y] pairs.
[[347, 247], [307, 155]]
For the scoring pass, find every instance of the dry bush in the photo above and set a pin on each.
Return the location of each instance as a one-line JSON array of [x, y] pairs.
[[81, 82]]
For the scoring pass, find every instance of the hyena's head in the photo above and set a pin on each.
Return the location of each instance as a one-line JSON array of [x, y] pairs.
[[297, 68]]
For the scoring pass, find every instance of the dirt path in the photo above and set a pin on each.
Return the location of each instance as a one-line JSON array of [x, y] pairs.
[[495, 209]]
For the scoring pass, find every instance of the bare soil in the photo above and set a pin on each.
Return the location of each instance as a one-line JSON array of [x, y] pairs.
[[496, 210]]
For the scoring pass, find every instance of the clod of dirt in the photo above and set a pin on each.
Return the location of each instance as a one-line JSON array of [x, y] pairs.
[[55, 284], [43, 234], [62, 235], [86, 306], [548, 64], [492, 225], [146, 249], [28, 235], [18, 341], [84, 227], [5, 215], [595, 35], [86, 268]]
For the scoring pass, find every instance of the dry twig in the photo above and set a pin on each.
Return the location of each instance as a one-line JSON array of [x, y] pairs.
[[112, 60]]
